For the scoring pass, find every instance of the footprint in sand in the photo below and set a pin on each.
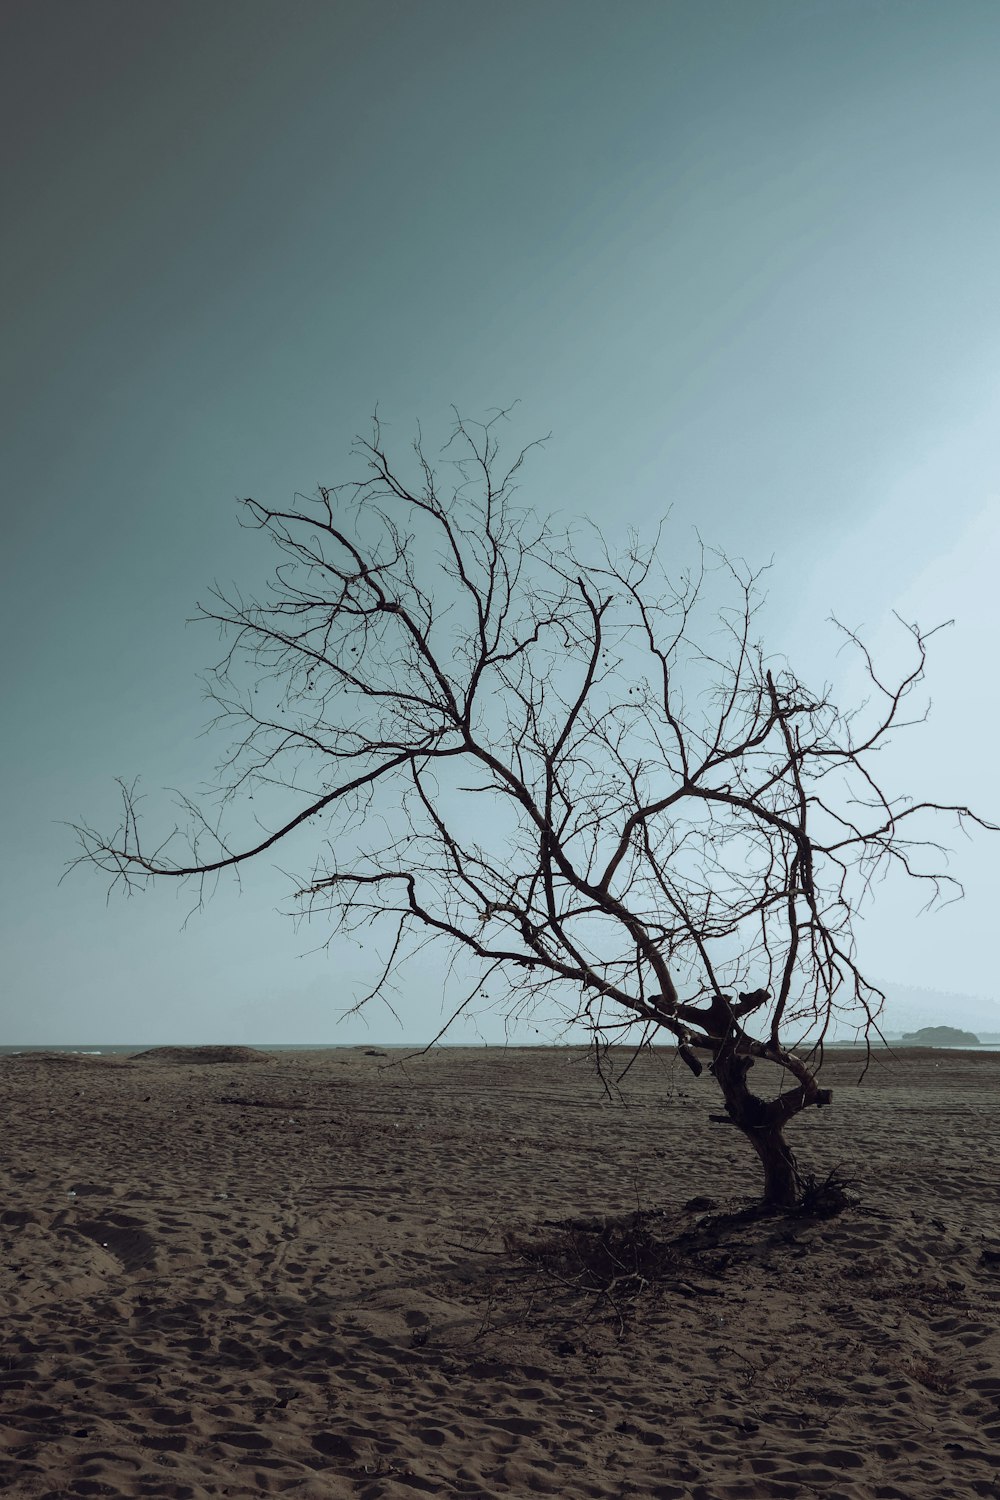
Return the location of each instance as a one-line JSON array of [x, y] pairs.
[[122, 1236]]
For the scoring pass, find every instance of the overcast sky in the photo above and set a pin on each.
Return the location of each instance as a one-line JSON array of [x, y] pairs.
[[742, 260]]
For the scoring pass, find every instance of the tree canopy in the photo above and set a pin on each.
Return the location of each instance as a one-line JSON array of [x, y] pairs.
[[565, 762]]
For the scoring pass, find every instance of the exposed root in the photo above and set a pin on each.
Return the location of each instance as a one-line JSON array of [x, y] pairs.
[[822, 1198]]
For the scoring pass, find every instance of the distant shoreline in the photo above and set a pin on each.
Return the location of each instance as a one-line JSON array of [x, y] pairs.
[[893, 1044]]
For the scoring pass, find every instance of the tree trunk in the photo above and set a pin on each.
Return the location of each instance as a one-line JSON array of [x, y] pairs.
[[760, 1122], [782, 1183]]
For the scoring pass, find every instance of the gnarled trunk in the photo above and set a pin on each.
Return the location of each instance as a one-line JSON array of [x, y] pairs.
[[762, 1121], [782, 1183]]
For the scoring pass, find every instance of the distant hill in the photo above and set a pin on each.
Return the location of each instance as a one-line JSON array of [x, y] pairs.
[[910, 1009], [939, 1036]]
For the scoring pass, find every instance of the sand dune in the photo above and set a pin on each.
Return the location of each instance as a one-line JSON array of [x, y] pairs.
[[196, 1056], [285, 1274]]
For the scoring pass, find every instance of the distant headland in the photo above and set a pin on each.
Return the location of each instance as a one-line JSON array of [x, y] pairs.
[[940, 1036]]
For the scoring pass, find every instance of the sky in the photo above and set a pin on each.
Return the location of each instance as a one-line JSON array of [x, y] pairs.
[[741, 260]]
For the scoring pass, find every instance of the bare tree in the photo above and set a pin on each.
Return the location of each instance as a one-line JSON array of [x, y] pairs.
[[553, 765]]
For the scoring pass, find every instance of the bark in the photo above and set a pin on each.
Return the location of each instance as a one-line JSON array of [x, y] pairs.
[[760, 1121], [782, 1183]]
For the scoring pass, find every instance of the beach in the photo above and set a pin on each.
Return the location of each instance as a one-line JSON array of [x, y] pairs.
[[305, 1274]]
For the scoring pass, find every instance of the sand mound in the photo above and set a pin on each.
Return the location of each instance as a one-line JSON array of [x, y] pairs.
[[199, 1055], [57, 1060]]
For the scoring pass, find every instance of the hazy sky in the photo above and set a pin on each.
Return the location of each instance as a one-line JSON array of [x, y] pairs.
[[741, 259]]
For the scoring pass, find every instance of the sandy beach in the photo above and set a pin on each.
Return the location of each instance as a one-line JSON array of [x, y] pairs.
[[286, 1274]]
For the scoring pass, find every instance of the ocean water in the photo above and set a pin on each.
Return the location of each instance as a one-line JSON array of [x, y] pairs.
[[129, 1050]]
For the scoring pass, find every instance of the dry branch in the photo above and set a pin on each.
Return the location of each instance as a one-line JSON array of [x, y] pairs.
[[546, 758]]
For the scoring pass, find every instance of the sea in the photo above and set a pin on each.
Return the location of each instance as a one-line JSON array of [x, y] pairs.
[[131, 1049]]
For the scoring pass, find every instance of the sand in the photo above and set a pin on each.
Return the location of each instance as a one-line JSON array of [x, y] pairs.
[[284, 1274]]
